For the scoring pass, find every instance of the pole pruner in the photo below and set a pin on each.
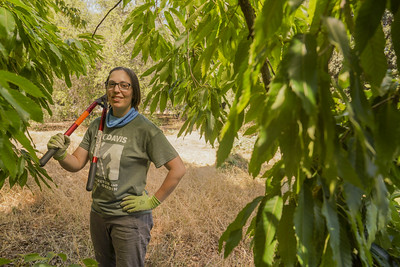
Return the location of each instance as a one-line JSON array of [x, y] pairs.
[[102, 101]]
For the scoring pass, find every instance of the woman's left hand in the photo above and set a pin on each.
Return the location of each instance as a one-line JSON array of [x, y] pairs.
[[138, 203]]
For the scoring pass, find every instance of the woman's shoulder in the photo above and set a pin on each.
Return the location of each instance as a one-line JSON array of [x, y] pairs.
[[94, 123], [143, 123]]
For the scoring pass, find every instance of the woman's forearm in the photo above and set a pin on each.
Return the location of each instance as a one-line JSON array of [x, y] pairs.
[[176, 171], [76, 161]]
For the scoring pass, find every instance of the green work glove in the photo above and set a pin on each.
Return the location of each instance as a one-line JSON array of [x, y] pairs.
[[137, 203], [61, 142]]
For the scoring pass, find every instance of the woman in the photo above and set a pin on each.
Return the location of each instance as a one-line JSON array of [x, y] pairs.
[[121, 218]]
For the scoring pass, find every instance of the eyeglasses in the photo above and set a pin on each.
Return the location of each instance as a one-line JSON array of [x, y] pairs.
[[123, 86]]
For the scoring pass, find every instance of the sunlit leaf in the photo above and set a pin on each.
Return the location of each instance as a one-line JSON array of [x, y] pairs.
[[171, 22], [7, 22], [317, 8], [233, 233], [303, 72], [338, 36], [33, 257], [90, 262], [269, 20], [265, 241], [125, 2]]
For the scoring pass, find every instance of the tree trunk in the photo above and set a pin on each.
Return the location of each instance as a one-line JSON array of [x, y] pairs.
[[250, 16]]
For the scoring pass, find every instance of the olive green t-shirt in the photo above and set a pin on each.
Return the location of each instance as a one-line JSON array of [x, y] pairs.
[[124, 159]]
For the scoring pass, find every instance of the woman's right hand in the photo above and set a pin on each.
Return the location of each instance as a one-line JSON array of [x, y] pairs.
[[60, 142]]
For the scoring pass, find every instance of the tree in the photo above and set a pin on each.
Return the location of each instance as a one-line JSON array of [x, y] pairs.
[[32, 55], [337, 134], [70, 101]]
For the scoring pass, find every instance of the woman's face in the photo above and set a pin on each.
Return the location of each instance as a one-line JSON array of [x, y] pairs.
[[120, 98]]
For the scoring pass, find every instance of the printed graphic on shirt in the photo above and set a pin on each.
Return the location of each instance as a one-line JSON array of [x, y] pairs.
[[108, 165], [106, 184], [115, 138]]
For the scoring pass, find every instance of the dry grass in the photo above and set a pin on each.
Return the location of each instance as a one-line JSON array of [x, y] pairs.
[[187, 225]]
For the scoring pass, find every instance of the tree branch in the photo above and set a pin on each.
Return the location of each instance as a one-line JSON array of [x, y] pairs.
[[250, 16], [109, 11]]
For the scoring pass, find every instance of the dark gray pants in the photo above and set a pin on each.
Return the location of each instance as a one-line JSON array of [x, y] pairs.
[[122, 240]]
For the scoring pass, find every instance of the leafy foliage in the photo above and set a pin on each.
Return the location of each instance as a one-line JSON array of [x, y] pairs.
[[331, 193], [36, 260], [32, 56]]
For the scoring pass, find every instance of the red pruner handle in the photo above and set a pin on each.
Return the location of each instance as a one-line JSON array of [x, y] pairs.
[[50, 153], [93, 163], [92, 174]]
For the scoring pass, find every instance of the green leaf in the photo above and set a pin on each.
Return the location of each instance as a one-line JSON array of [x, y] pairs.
[[7, 22], [294, 4], [180, 40], [164, 72], [367, 21], [23, 178], [251, 130], [361, 107], [346, 171], [4, 261], [206, 59], [179, 16], [373, 59], [304, 225], [229, 133], [154, 103], [171, 22], [233, 234], [286, 236], [90, 262], [316, 11], [149, 71], [340, 256], [394, 6], [33, 257], [23, 83], [270, 19], [40, 264], [26, 108], [303, 70], [125, 2], [63, 256], [23, 140], [204, 29], [242, 54], [395, 34], [192, 18], [371, 223], [64, 69], [265, 241], [290, 144], [163, 100], [386, 133], [338, 36]]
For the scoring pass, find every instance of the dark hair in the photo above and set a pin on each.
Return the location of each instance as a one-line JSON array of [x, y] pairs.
[[134, 84]]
